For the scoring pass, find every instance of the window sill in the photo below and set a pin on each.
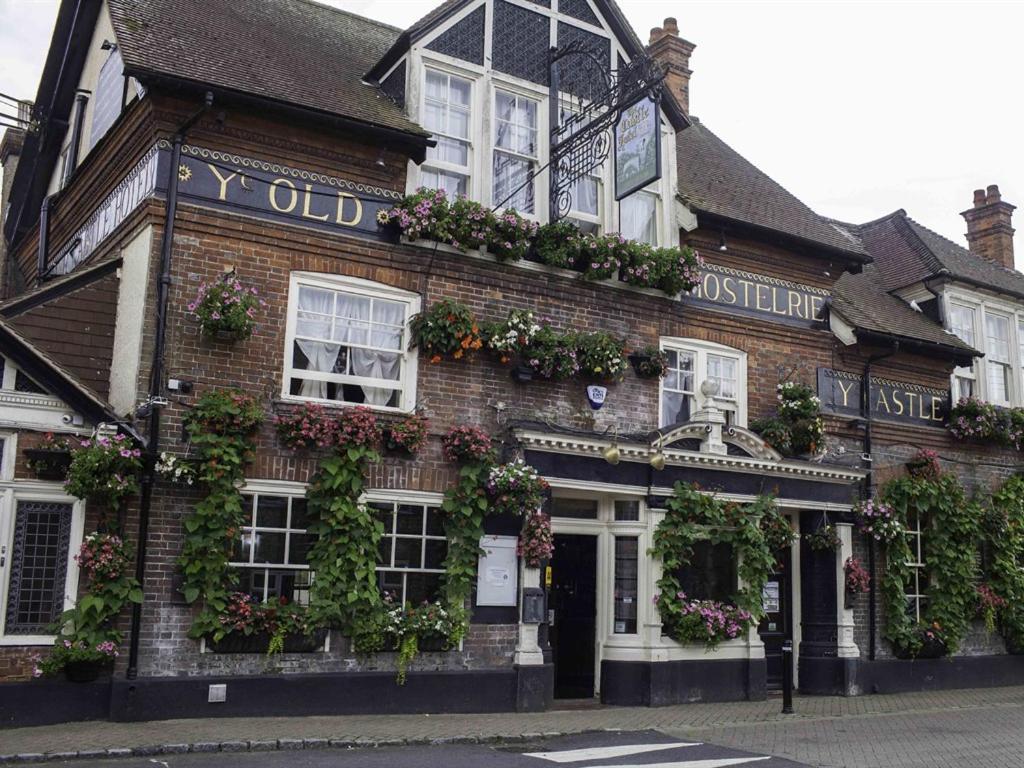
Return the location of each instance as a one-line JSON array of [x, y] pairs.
[[288, 402], [34, 640]]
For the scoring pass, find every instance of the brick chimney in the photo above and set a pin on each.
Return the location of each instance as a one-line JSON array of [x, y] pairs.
[[10, 151], [669, 49], [989, 233]]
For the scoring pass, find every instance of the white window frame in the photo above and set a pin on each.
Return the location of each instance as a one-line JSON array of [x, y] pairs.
[[1007, 365], [967, 373], [915, 595], [417, 498], [10, 495], [444, 166], [538, 212], [284, 490], [361, 287], [701, 350], [8, 455]]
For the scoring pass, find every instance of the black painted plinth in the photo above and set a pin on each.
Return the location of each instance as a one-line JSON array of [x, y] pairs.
[[897, 676], [641, 683], [535, 688], [832, 676], [45, 702]]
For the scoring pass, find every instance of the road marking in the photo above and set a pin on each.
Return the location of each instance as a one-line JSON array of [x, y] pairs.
[[719, 763], [602, 753]]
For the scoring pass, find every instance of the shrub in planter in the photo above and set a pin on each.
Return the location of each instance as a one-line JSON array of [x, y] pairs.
[[50, 459], [82, 662], [925, 642], [602, 356], [424, 214], [971, 419], [515, 488], [472, 225], [553, 355], [558, 244], [823, 539], [649, 362], [276, 626], [308, 426], [357, 428], [223, 412], [407, 435], [467, 444], [797, 428], [105, 469], [511, 236], [924, 464], [446, 329], [226, 309], [536, 541], [775, 432], [601, 256], [879, 521], [989, 606], [509, 339], [703, 621], [679, 269]]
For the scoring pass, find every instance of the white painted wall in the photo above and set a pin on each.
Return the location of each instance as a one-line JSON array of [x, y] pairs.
[[131, 307]]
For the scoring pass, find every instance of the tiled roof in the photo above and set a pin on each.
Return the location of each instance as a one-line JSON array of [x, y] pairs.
[[717, 180], [295, 52], [863, 302], [907, 252]]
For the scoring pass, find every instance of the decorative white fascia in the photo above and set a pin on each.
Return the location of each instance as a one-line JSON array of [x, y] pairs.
[[589, 447]]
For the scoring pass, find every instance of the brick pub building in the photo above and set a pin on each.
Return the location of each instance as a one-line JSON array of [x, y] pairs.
[[278, 129]]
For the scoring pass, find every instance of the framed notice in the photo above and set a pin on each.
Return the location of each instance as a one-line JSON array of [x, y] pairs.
[[497, 574], [637, 147]]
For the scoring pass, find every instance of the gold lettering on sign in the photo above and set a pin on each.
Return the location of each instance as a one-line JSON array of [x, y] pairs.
[[356, 216], [816, 304], [936, 404], [747, 285], [899, 403], [911, 397], [707, 287], [760, 307], [882, 402], [305, 205], [794, 304], [728, 289], [222, 195], [292, 201], [846, 392]]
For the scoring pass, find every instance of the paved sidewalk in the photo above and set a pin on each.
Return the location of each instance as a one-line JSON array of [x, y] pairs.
[[743, 724]]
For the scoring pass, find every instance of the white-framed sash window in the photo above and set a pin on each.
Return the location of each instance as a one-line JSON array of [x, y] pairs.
[[691, 362], [638, 217], [448, 115], [410, 565], [916, 589], [348, 342], [516, 151], [962, 320], [271, 555], [998, 362]]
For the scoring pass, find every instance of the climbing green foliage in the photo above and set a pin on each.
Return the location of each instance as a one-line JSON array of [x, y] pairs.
[[693, 516], [221, 428], [1004, 532], [949, 523]]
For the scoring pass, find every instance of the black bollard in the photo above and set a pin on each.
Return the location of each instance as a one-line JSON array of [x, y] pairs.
[[787, 677]]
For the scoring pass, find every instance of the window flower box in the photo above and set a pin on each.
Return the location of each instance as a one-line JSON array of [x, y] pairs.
[[259, 642], [931, 648], [84, 671], [49, 463]]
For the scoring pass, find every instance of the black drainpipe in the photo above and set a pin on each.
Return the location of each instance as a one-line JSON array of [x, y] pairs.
[[157, 373], [44, 239], [865, 404], [81, 100]]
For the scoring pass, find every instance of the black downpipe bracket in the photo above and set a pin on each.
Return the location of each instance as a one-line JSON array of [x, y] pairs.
[[865, 404], [44, 239], [157, 373]]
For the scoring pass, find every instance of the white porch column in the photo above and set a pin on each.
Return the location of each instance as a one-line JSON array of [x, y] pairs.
[[844, 616], [528, 650]]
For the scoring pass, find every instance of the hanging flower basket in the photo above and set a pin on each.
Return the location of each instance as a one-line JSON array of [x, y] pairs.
[[49, 463], [406, 437], [226, 309], [649, 363], [931, 648], [83, 671]]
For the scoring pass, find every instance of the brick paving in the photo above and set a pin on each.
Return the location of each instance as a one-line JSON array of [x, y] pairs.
[[963, 728]]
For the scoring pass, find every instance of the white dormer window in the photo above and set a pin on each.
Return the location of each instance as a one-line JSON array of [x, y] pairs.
[[515, 151], [691, 362], [638, 217], [448, 115]]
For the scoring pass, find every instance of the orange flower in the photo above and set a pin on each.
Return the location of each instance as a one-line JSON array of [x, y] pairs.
[[477, 344], [435, 359], [457, 354], [466, 341]]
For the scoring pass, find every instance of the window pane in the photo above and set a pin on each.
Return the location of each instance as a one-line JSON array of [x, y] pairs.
[[998, 333], [269, 547], [626, 580], [272, 512], [580, 509], [711, 573], [385, 511], [638, 217], [39, 562], [962, 322], [454, 184], [722, 370], [626, 511], [384, 551], [408, 553], [410, 519], [511, 186], [298, 548], [436, 551], [393, 583], [460, 90], [435, 522], [300, 516], [422, 587]]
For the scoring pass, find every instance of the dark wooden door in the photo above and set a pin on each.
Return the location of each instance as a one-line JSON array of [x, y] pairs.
[[777, 625], [574, 606]]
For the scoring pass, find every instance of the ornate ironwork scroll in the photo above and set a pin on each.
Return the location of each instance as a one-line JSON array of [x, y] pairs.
[[585, 100]]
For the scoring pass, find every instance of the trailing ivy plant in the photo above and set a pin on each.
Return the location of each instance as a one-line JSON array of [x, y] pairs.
[[465, 505], [1004, 532], [221, 426], [950, 527], [693, 516]]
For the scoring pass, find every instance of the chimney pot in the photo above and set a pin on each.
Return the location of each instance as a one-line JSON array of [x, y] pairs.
[[671, 26], [656, 34], [990, 227]]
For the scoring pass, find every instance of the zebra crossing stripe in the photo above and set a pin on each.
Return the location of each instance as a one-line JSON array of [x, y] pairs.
[[603, 753], [716, 763]]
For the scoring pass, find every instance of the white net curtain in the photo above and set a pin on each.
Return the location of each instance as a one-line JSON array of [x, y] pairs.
[[353, 341]]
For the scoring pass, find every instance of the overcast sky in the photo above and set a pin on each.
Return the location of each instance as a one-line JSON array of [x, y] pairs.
[[857, 108]]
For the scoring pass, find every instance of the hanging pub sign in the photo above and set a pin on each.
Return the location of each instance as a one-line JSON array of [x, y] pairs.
[[840, 392], [637, 147]]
